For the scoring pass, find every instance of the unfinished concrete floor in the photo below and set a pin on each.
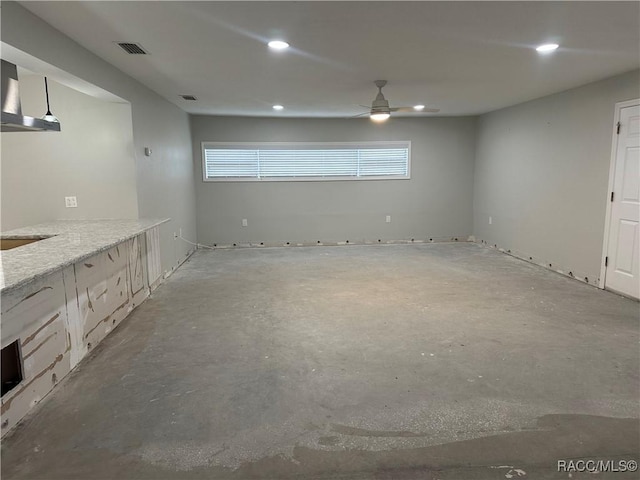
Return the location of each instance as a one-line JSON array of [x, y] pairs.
[[436, 361]]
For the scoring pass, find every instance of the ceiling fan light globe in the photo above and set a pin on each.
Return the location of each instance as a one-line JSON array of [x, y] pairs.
[[379, 117]]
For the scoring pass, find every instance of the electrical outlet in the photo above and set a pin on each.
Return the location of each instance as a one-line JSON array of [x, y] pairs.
[[70, 202], [388, 219], [490, 220], [244, 222]]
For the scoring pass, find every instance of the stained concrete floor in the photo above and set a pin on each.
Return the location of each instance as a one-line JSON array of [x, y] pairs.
[[438, 361]]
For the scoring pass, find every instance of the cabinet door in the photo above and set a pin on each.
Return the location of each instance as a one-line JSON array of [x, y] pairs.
[[34, 318], [137, 270], [103, 297], [154, 268]]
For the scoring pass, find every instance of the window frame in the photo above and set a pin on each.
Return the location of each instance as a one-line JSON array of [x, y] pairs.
[[256, 145]]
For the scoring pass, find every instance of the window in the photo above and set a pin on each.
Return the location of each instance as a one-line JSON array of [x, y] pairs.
[[305, 161]]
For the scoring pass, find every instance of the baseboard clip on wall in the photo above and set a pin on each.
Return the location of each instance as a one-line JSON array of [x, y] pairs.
[[580, 276], [333, 243]]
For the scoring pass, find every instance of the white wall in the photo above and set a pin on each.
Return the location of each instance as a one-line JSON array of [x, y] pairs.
[[435, 203], [91, 158], [542, 171], [164, 181]]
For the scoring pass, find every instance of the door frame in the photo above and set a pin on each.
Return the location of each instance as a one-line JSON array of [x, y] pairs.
[[612, 170]]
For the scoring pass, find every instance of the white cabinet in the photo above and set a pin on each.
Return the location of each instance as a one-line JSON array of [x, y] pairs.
[[54, 321], [103, 299], [138, 285], [154, 268], [34, 317]]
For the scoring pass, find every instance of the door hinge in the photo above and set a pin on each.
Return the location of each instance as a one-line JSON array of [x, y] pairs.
[[618, 128], [606, 261], [612, 195]]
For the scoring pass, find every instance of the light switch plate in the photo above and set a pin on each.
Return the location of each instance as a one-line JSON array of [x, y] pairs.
[[70, 202]]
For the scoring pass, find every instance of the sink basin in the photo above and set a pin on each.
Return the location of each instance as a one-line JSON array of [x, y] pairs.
[[9, 243]]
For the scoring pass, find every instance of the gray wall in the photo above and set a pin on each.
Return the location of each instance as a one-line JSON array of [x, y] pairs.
[[435, 203], [94, 164], [542, 171], [164, 181]]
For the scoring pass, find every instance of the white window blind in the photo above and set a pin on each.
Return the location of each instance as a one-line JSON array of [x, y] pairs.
[[306, 161]]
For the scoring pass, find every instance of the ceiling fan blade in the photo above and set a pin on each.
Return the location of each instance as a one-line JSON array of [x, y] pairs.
[[413, 110], [360, 115]]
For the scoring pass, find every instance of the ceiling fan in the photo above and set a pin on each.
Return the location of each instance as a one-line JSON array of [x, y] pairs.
[[380, 110]]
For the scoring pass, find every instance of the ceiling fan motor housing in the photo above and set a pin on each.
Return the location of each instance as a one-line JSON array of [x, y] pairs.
[[380, 105]]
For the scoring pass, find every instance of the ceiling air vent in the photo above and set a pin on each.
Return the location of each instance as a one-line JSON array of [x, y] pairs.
[[132, 48], [189, 97]]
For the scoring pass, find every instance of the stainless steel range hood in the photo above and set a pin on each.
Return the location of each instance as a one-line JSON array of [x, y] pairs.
[[12, 118]]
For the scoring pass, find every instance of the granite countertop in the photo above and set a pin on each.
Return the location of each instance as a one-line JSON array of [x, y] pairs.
[[69, 241]]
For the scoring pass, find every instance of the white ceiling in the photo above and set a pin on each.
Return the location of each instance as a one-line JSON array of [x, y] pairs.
[[461, 57]]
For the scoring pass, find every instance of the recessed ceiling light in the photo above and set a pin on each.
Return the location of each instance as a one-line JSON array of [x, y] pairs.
[[547, 47], [278, 107], [278, 44], [418, 107]]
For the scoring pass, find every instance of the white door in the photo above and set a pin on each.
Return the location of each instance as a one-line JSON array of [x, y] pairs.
[[622, 271]]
